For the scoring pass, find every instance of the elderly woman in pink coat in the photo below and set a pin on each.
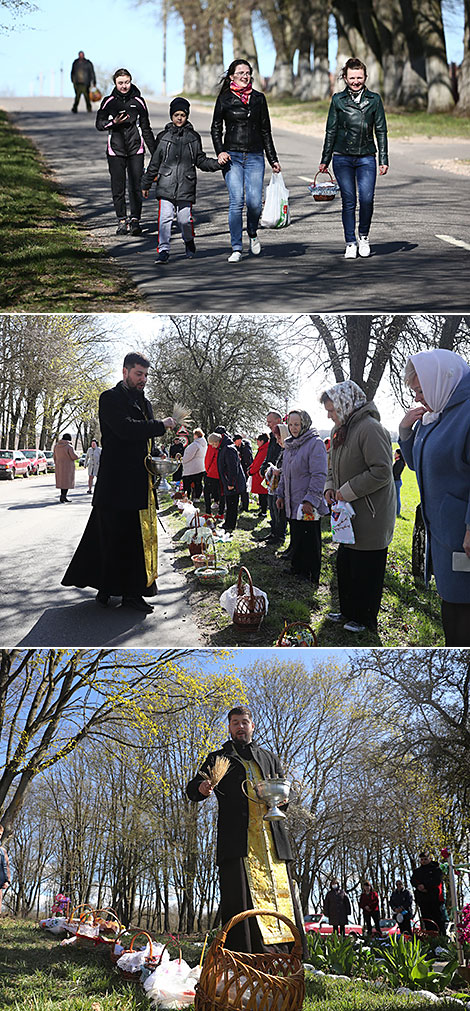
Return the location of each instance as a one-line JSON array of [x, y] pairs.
[[64, 460]]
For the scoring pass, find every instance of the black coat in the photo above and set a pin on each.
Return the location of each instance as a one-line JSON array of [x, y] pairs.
[[246, 455], [126, 138], [83, 72], [126, 426], [429, 875], [173, 164], [247, 127], [232, 823], [229, 466], [273, 455]]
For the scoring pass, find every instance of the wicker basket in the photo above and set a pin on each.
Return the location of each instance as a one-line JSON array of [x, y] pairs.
[[195, 548], [423, 932], [250, 608], [464, 971], [316, 191], [283, 641], [134, 974], [238, 981]]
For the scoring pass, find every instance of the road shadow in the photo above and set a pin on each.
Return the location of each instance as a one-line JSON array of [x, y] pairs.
[[82, 624]]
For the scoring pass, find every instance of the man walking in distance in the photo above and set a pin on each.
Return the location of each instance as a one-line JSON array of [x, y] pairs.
[[83, 78], [253, 855], [118, 552]]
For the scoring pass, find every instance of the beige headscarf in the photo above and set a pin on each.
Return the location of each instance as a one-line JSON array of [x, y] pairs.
[[439, 372]]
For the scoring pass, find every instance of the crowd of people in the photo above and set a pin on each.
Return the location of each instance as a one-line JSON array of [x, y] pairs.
[[427, 883], [242, 140]]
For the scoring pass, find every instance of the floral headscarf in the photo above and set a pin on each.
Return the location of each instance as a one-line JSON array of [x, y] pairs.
[[305, 420], [346, 398], [439, 372]]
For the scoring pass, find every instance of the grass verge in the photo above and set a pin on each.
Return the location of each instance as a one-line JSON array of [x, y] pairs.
[[409, 616], [36, 974], [48, 263]]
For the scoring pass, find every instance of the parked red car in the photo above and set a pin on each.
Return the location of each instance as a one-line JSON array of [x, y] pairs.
[[13, 462], [317, 923], [37, 461]]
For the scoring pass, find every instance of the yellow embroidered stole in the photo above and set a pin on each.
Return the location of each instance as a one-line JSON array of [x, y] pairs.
[[266, 873], [148, 526]]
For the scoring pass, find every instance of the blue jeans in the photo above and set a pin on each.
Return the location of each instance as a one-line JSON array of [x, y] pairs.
[[351, 169], [398, 485], [244, 179]]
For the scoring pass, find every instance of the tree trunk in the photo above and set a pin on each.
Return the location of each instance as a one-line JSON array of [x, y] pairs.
[[463, 80], [428, 17], [240, 20]]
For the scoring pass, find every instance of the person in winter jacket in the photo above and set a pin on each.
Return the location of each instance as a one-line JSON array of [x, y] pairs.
[[193, 464], [124, 115], [435, 442], [92, 463], [337, 908], [360, 472], [83, 78], [231, 475], [300, 489], [244, 113], [275, 449], [427, 881], [257, 486], [369, 903], [178, 153], [64, 461], [401, 904], [354, 116], [213, 491], [246, 459]]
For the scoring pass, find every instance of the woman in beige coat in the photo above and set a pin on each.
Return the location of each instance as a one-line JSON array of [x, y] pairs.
[[64, 459], [360, 472]]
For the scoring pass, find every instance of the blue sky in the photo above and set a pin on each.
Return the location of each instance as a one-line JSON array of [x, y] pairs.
[[114, 33]]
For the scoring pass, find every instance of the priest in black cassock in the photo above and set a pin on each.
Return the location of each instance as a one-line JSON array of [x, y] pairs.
[[118, 551], [253, 855]]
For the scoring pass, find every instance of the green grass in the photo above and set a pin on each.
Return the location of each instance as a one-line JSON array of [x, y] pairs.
[[47, 261], [409, 616], [37, 974]]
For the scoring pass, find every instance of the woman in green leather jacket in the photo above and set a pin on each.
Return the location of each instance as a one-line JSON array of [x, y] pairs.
[[355, 115]]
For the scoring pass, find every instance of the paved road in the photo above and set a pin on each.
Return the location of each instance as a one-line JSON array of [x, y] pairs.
[[421, 212], [38, 539]]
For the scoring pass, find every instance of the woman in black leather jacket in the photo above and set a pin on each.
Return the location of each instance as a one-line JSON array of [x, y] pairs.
[[354, 116], [244, 114], [124, 115]]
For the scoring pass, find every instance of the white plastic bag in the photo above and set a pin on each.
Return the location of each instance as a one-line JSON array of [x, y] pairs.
[[276, 213], [307, 516], [341, 527], [172, 985], [228, 599]]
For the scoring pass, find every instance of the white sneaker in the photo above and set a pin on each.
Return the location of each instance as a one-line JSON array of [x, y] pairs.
[[354, 626], [235, 257], [350, 252], [364, 247], [255, 245], [335, 616]]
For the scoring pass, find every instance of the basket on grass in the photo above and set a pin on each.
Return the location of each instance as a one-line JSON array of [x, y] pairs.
[[110, 927], [251, 982], [323, 191], [211, 573], [423, 932], [250, 607], [196, 546], [74, 918], [297, 633], [133, 974]]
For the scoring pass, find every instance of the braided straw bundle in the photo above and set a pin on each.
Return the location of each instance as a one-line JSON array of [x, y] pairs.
[[217, 772]]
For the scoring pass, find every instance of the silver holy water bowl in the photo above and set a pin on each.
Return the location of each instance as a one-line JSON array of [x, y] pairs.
[[273, 791], [161, 466]]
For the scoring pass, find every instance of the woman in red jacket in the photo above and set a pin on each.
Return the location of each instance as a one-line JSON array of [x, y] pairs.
[[369, 903], [213, 490], [257, 486]]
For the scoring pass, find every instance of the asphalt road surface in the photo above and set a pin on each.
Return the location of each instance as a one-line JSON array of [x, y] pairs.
[[38, 539], [420, 235]]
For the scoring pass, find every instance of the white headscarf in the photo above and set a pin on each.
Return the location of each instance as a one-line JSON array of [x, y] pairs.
[[439, 373], [346, 398]]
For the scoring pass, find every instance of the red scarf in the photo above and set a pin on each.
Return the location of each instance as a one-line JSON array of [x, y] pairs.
[[242, 91]]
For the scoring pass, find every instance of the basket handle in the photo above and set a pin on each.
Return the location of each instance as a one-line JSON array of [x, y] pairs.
[[240, 584], [114, 915], [144, 934], [75, 909], [296, 624], [327, 173], [219, 941]]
